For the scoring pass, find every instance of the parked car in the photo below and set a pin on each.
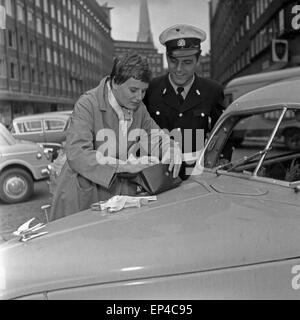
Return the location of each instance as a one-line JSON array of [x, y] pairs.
[[21, 163], [48, 128], [289, 130], [242, 85], [230, 232]]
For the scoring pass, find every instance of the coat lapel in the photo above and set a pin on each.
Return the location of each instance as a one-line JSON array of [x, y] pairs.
[[168, 94]]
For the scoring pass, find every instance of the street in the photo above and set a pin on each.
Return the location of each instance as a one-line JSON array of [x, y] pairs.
[[12, 216]]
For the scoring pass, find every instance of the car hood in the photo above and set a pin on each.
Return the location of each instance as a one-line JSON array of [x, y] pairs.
[[189, 229], [21, 146]]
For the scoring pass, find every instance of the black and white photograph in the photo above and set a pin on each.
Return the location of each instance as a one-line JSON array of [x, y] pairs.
[[149, 153]]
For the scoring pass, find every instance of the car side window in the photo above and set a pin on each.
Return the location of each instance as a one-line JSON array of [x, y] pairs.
[[54, 125], [283, 160], [30, 126], [247, 142]]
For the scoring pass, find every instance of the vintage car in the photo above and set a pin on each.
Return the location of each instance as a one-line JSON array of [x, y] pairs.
[[48, 128], [21, 163], [231, 231]]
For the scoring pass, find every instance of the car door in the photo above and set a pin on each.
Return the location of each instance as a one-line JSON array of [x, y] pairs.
[[55, 130]]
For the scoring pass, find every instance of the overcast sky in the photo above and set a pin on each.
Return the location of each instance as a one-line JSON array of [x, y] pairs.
[[163, 14]]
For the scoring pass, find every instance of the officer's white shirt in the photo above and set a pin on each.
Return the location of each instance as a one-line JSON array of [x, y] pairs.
[[186, 88]]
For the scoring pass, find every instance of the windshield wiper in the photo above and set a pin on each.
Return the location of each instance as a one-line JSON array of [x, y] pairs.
[[242, 161]]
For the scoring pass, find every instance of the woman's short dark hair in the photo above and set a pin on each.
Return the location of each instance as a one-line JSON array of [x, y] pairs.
[[132, 65]]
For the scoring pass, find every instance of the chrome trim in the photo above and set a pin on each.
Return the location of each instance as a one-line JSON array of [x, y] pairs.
[[18, 153], [45, 172], [270, 141]]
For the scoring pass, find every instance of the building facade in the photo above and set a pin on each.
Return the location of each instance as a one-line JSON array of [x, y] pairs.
[[146, 49], [203, 69], [50, 53], [144, 44], [253, 36]]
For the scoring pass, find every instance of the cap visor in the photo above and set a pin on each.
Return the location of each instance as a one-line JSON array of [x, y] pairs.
[[183, 53]]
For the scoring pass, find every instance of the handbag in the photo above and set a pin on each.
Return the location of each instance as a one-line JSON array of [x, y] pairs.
[[155, 179]]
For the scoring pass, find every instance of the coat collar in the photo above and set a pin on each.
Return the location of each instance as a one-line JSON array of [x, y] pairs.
[[101, 94]]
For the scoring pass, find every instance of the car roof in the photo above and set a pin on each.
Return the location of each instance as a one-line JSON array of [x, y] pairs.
[[61, 114], [271, 76], [280, 93]]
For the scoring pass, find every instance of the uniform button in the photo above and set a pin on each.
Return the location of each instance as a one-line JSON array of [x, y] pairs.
[[157, 113], [180, 115], [202, 115]]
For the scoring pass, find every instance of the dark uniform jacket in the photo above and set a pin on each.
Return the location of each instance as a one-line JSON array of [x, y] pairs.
[[201, 109]]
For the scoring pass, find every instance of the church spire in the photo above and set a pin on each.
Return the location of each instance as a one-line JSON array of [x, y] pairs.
[[144, 34]]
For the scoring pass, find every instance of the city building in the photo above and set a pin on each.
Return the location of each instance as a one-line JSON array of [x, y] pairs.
[[203, 69], [253, 36], [144, 44], [50, 53]]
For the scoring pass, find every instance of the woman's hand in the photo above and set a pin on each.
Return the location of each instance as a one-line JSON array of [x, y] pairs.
[[174, 158]]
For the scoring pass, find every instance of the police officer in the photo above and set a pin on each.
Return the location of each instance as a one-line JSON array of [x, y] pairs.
[[181, 101]]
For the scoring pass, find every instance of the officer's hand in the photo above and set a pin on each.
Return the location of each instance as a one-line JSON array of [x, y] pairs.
[[174, 159]]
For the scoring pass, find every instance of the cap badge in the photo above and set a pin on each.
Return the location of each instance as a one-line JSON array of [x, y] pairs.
[[181, 43]]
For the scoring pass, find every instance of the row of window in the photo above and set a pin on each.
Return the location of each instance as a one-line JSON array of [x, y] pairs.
[[3, 71], [57, 81], [73, 67], [257, 9], [265, 36], [59, 35], [79, 9], [260, 41], [236, 66], [63, 39], [84, 52]]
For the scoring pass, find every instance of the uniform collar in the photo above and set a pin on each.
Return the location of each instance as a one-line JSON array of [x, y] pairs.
[[186, 88]]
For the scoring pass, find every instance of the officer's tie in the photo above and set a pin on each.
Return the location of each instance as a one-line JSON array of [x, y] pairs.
[[179, 95]]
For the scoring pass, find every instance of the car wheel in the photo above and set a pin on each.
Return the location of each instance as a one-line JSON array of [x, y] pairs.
[[292, 139], [16, 185]]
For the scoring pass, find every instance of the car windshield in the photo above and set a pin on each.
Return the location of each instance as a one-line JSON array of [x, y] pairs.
[[5, 136], [265, 144]]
